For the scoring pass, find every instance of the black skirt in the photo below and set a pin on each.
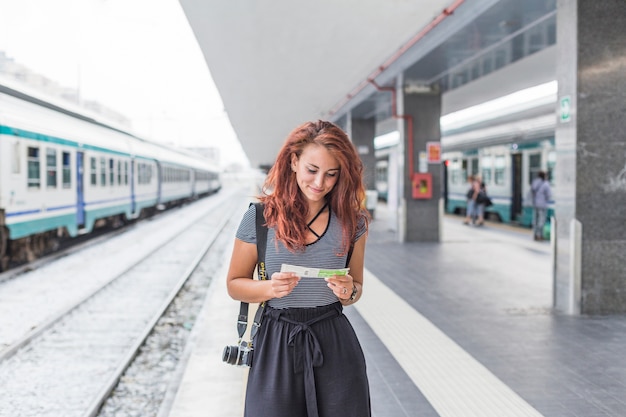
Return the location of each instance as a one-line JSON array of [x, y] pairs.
[[307, 363]]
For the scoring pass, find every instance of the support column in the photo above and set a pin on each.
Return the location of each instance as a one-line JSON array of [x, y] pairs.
[[421, 216], [362, 132], [590, 172]]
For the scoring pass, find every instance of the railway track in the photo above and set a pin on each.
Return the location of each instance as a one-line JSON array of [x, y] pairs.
[[70, 361]]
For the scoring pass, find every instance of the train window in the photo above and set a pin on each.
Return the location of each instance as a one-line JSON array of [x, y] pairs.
[[486, 169], [139, 173], [111, 171], [15, 166], [141, 177], [51, 168], [534, 166], [498, 175], [103, 172], [93, 171], [67, 170], [473, 166], [119, 172], [145, 174], [34, 168], [125, 172], [456, 175]]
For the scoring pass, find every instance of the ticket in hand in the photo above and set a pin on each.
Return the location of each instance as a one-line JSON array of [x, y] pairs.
[[304, 271]]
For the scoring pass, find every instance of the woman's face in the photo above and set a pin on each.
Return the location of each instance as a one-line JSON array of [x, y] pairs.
[[316, 171]]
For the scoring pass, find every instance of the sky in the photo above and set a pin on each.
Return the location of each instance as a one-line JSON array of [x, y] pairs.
[[138, 57]]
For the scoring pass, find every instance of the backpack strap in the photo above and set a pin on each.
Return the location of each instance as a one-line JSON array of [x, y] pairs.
[[349, 254], [261, 243]]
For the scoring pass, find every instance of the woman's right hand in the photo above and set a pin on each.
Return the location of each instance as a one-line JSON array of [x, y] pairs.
[[283, 283]]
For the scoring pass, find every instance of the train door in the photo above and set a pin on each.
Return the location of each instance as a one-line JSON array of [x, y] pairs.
[[133, 203], [80, 196], [469, 166], [516, 187]]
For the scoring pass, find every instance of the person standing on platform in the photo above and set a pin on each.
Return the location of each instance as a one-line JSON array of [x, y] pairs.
[[307, 359], [480, 202], [541, 195], [472, 192]]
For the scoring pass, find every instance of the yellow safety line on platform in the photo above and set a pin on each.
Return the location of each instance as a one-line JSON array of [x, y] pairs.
[[454, 383]]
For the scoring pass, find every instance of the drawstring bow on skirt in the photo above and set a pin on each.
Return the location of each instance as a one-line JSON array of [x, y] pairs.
[[307, 353]]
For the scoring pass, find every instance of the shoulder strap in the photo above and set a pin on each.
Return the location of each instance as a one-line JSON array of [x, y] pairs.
[[261, 243], [349, 254]]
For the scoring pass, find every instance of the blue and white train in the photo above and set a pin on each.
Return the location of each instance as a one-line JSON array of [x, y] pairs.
[[507, 145], [506, 142], [64, 173]]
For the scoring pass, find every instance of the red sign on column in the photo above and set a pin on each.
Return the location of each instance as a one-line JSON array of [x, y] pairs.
[[433, 150]]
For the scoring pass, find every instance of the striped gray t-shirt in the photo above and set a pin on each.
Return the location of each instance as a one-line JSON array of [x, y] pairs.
[[310, 291]]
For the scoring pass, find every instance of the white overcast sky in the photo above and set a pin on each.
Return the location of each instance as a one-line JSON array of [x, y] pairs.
[[138, 57]]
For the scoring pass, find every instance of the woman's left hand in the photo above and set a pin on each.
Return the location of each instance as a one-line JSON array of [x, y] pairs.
[[341, 285]]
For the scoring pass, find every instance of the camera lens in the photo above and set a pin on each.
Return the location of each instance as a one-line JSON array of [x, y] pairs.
[[230, 354]]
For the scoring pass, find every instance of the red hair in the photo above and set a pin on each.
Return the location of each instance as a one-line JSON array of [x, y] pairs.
[[286, 208]]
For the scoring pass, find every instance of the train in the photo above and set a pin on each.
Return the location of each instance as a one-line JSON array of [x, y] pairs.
[[64, 173], [506, 149], [507, 171]]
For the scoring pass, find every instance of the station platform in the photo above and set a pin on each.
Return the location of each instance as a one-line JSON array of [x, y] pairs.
[[459, 328]]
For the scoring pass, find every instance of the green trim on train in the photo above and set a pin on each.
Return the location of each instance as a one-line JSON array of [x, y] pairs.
[[31, 227]]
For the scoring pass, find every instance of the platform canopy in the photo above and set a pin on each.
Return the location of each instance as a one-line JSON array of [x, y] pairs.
[[278, 63]]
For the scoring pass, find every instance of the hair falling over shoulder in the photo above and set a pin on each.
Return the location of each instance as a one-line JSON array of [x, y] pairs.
[[286, 208]]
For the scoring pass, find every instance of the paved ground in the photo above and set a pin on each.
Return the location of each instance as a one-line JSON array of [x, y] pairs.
[[458, 328]]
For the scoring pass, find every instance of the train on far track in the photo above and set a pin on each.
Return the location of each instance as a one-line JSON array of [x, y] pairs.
[[505, 148], [64, 173]]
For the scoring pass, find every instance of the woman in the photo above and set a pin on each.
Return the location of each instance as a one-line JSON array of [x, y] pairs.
[[472, 192], [307, 359], [480, 199]]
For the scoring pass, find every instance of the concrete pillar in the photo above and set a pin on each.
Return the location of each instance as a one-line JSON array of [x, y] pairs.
[[362, 133], [421, 216], [590, 171]]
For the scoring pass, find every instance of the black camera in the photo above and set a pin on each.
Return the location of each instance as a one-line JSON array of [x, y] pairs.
[[240, 355]]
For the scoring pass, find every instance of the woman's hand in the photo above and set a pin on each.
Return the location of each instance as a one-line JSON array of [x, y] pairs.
[[283, 283], [341, 285]]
